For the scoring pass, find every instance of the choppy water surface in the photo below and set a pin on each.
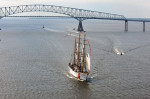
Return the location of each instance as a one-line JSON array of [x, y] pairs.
[[33, 61]]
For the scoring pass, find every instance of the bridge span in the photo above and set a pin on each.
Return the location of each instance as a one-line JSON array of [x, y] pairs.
[[79, 14]]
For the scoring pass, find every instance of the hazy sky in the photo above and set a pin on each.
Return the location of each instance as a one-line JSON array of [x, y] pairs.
[[128, 8]]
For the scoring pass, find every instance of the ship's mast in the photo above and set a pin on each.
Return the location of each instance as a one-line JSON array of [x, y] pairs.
[[84, 60], [79, 62], [75, 52]]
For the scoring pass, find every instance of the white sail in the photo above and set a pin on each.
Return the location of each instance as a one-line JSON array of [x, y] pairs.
[[88, 62], [82, 52]]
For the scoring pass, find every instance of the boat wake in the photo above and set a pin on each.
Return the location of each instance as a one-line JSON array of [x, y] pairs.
[[70, 34], [138, 47], [118, 52], [51, 30], [93, 76]]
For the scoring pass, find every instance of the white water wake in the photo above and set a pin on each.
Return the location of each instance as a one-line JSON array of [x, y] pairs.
[[52, 30], [118, 52]]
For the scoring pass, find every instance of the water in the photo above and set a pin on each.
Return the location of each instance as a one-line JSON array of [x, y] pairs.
[[33, 61]]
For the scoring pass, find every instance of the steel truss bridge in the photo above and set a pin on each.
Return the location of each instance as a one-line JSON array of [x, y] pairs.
[[79, 14]]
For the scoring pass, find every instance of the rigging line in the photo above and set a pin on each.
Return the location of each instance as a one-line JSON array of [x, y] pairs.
[[71, 57], [72, 54]]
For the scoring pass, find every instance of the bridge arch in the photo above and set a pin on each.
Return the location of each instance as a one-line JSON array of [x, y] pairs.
[[76, 13]]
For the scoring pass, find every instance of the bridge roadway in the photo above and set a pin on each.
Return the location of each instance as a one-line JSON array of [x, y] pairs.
[[79, 14]]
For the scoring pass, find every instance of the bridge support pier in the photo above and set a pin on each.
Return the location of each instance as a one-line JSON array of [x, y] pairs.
[[80, 27], [143, 26], [126, 25]]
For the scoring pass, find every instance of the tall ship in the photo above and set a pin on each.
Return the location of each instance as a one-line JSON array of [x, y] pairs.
[[80, 65]]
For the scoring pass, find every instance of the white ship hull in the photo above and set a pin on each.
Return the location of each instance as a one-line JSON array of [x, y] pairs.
[[78, 75]]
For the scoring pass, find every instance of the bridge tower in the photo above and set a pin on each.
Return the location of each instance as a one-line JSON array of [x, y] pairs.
[[80, 27], [126, 25], [143, 26]]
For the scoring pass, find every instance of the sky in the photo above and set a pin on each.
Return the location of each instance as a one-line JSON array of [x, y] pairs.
[[128, 8]]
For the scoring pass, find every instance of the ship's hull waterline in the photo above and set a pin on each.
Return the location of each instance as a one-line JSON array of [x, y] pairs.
[[78, 75]]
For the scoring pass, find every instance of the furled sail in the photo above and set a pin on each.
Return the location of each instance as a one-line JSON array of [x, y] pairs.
[[88, 63]]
